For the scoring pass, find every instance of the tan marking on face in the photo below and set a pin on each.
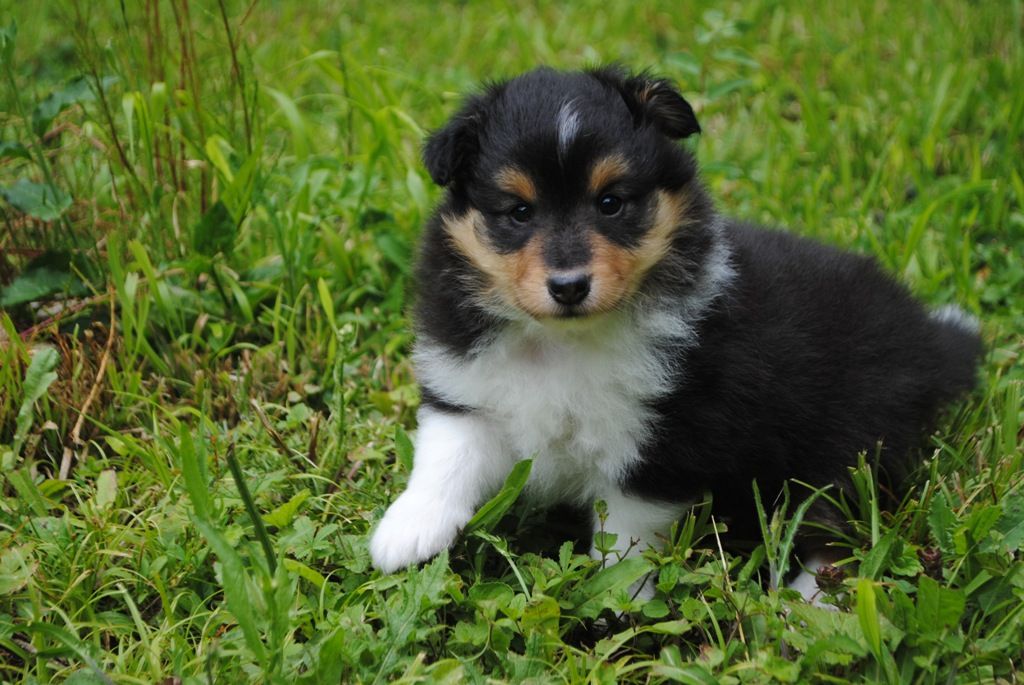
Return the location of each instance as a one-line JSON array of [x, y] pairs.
[[606, 171], [610, 273], [518, 279], [669, 217], [530, 280], [619, 271], [516, 182], [466, 239]]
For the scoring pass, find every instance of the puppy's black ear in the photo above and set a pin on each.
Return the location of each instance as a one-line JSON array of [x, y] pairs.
[[652, 101], [450, 150], [664, 106]]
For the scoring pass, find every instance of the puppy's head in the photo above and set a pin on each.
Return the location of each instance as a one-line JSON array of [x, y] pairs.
[[565, 189]]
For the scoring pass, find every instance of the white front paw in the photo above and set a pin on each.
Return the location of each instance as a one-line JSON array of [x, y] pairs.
[[415, 528]]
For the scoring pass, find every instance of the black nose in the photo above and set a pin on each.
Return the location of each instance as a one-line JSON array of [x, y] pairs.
[[570, 289]]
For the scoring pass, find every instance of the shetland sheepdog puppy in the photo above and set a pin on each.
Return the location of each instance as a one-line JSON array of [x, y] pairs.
[[581, 302]]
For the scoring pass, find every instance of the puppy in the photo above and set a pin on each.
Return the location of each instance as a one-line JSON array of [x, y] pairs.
[[580, 302]]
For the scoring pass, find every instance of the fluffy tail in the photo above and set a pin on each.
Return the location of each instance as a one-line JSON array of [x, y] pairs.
[[954, 315], [960, 346]]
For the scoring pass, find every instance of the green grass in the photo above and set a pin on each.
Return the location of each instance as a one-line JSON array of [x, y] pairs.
[[204, 257]]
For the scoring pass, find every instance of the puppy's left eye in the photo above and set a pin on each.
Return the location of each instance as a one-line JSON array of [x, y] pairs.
[[609, 204], [521, 213]]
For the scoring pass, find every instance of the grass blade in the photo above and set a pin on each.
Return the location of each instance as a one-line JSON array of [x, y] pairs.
[[491, 512], [193, 470], [236, 583], [250, 508]]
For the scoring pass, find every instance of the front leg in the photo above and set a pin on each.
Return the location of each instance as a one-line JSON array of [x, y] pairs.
[[459, 461], [637, 524]]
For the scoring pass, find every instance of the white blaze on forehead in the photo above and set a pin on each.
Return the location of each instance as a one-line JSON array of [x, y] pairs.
[[568, 126]]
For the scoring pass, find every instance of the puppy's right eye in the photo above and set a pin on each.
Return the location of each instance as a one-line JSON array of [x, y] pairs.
[[521, 213], [609, 204]]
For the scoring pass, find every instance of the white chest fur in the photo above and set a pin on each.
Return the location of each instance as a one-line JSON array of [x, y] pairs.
[[574, 399]]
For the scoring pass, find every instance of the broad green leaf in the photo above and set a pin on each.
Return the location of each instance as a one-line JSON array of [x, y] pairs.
[[238, 195], [1010, 528], [942, 521], [781, 670], [676, 627], [394, 249], [236, 583], [28, 491], [490, 513], [193, 470], [403, 448], [38, 378], [330, 662], [689, 674], [668, 578], [565, 553], [240, 296], [76, 91], [106, 489], [417, 190], [490, 596], [867, 615], [655, 608], [17, 566], [280, 594], [982, 519], [977, 582], [12, 148], [604, 542], [305, 572], [327, 302], [541, 614], [300, 131], [447, 672], [903, 560], [36, 284], [283, 516], [215, 147], [619, 576], [40, 200], [875, 560], [472, 633], [420, 593], [7, 35], [48, 274], [819, 623], [938, 607]]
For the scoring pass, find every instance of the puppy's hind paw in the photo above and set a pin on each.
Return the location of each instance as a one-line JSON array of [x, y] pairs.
[[414, 529], [806, 584]]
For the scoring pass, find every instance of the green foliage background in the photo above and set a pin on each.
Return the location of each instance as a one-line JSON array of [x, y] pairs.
[[208, 213]]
